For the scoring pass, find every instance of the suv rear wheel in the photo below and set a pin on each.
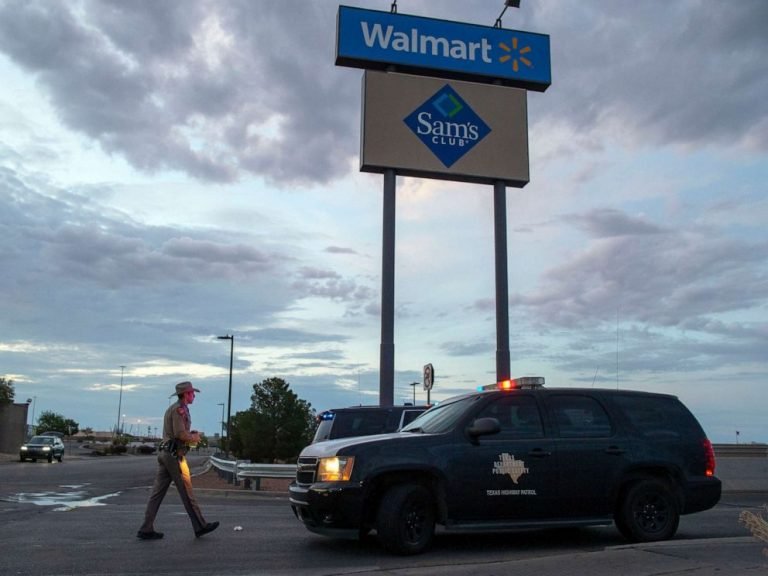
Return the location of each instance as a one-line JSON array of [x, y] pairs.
[[648, 512], [406, 519]]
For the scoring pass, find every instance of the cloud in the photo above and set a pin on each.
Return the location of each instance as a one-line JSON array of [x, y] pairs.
[[81, 267], [191, 87], [340, 250], [679, 300], [605, 223], [654, 73], [222, 91], [683, 274]]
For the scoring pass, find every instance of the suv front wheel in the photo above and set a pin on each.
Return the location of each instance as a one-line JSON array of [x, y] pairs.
[[648, 512], [406, 519]]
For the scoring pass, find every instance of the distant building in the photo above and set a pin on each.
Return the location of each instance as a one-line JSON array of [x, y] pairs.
[[13, 427]]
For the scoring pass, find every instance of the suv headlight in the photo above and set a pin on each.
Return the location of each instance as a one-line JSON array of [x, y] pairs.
[[335, 468]]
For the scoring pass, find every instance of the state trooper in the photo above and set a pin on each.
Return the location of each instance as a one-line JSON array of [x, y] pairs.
[[172, 466]]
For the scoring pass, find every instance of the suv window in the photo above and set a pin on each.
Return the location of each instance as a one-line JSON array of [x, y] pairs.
[[580, 417], [364, 421], [658, 417], [359, 423], [518, 416]]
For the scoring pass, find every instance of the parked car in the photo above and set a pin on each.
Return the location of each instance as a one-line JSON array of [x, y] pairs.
[[44, 447], [364, 421], [518, 456]]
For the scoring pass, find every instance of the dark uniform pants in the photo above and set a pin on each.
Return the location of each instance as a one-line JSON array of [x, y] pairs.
[[172, 469]]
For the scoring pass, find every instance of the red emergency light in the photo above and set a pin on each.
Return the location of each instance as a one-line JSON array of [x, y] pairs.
[[524, 382]]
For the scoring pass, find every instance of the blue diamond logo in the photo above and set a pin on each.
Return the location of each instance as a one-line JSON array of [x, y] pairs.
[[447, 125]]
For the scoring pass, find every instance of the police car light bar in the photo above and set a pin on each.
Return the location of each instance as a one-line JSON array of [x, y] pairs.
[[524, 382]]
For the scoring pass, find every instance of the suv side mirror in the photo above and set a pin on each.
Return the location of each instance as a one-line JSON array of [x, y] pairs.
[[483, 427]]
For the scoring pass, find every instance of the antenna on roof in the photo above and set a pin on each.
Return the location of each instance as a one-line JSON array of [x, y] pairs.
[[617, 347], [393, 8]]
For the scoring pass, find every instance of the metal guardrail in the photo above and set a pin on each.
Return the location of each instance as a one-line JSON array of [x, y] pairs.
[[236, 471], [247, 470], [741, 450], [229, 466]]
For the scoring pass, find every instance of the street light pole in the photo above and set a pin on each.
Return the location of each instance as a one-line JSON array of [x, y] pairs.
[[413, 385], [222, 420], [120, 402], [231, 339], [32, 424]]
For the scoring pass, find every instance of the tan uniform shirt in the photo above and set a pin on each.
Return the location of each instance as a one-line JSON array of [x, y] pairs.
[[176, 422]]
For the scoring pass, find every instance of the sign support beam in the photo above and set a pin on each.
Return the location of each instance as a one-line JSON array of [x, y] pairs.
[[387, 348], [503, 369]]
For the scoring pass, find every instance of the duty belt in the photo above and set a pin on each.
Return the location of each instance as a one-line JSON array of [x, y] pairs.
[[171, 446]]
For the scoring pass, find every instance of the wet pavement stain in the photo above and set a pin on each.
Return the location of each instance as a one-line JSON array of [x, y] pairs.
[[65, 501]]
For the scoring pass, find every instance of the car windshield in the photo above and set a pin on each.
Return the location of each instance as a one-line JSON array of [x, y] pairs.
[[442, 417], [41, 440]]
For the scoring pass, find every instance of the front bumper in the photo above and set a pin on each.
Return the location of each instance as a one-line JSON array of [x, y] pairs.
[[331, 509], [36, 453]]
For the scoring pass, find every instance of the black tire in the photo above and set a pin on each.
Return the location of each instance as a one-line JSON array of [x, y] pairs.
[[21, 458], [50, 458], [406, 519], [648, 512], [60, 457]]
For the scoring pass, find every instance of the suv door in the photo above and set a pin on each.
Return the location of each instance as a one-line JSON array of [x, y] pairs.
[[507, 476], [592, 454]]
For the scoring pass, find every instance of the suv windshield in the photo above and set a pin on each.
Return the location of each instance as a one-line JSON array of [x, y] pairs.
[[442, 417]]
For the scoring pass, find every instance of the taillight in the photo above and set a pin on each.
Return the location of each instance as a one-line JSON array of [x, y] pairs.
[[709, 455]]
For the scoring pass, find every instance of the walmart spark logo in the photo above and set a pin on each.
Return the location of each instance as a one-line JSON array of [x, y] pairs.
[[515, 54], [447, 125]]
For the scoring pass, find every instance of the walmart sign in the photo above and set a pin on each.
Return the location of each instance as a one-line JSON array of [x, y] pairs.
[[377, 40]]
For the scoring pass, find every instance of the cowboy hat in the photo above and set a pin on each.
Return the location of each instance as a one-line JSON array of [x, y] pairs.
[[183, 387]]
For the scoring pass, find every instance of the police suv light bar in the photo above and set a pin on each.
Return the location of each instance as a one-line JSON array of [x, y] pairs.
[[524, 382]]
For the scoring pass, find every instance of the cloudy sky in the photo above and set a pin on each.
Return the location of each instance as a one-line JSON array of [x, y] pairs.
[[175, 171]]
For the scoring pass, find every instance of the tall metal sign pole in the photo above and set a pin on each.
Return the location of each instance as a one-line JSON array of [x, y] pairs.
[[503, 369], [443, 100], [387, 352]]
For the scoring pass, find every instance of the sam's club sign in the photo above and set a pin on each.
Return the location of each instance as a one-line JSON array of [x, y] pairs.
[[377, 40], [447, 125]]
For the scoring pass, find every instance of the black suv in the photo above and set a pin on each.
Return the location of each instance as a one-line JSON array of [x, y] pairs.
[[364, 421], [519, 456]]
